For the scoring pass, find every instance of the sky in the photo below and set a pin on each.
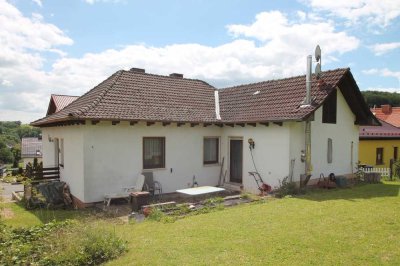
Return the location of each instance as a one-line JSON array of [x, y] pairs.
[[69, 46]]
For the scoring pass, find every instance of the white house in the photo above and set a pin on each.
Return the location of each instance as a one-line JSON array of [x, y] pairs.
[[182, 128]]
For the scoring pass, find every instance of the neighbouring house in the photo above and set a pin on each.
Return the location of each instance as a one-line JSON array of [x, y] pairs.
[[185, 129], [31, 148], [380, 144], [388, 114]]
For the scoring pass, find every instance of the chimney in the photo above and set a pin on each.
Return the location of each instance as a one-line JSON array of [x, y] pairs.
[[176, 75], [138, 70], [386, 109], [308, 80]]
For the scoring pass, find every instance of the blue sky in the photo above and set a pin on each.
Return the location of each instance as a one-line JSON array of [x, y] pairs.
[[69, 46]]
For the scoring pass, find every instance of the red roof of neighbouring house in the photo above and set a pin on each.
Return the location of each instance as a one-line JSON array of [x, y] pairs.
[[137, 96], [58, 102], [31, 147], [385, 131], [388, 114]]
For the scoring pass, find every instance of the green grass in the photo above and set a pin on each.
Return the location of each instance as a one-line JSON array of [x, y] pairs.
[[20, 217], [358, 226]]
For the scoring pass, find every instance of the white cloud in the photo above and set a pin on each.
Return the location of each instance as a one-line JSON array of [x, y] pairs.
[[38, 2], [256, 53], [377, 12], [384, 72], [383, 48], [6, 83]]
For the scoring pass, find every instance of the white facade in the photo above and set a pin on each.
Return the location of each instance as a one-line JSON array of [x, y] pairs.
[[103, 158]]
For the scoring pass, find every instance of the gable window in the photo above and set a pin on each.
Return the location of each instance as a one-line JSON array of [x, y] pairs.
[[153, 152], [329, 109], [210, 150], [379, 156], [329, 150]]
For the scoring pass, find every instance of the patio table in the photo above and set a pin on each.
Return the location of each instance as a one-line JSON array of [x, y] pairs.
[[196, 191]]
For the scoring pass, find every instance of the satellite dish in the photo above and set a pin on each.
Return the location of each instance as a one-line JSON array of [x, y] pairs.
[[318, 53], [318, 70]]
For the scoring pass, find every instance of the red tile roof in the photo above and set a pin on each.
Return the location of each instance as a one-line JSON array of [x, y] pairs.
[[391, 116], [385, 131], [58, 102], [276, 100], [138, 96]]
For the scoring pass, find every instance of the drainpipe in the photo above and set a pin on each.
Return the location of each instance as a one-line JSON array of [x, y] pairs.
[[307, 132]]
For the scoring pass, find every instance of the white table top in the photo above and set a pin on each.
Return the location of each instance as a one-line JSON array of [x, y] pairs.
[[200, 190]]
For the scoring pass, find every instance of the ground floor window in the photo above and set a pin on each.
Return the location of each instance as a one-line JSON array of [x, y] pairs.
[[395, 151], [153, 152], [211, 150], [379, 156]]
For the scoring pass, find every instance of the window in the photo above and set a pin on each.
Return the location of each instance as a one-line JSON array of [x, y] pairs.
[[329, 150], [379, 156], [395, 151], [329, 109], [61, 152], [153, 152], [211, 150]]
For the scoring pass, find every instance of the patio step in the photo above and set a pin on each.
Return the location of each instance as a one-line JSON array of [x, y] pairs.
[[232, 186]]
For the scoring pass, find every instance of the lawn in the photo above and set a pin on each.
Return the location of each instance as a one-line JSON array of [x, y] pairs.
[[358, 226]]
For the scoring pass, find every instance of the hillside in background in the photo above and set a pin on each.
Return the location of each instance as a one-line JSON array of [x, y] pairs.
[[377, 98], [11, 133]]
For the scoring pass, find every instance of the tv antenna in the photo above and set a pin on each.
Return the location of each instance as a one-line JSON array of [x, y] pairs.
[[318, 70]]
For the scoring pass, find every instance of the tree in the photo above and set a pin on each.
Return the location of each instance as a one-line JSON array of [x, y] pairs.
[[6, 156]]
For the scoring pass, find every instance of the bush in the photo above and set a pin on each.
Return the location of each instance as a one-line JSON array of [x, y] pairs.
[[58, 243], [286, 187]]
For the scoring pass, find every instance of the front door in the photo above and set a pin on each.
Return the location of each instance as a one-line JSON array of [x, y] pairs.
[[235, 162]]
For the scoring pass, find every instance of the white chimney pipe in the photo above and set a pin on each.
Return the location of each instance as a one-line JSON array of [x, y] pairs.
[[216, 96], [308, 81]]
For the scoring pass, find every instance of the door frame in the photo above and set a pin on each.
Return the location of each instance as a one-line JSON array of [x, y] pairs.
[[229, 157]]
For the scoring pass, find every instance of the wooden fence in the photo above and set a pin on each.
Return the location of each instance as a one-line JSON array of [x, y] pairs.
[[48, 173]]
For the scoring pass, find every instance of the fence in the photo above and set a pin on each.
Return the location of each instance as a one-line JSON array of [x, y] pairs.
[[44, 174], [374, 170]]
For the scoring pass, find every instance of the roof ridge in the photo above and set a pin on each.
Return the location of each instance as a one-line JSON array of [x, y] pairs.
[[167, 76], [280, 79], [98, 99], [54, 94]]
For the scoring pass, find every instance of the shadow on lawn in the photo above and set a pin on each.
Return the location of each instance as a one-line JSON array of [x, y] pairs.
[[363, 191]]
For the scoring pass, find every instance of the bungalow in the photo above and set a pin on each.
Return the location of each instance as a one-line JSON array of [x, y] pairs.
[[185, 130], [31, 148]]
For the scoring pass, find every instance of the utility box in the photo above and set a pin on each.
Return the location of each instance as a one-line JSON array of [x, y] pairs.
[[139, 199], [341, 181]]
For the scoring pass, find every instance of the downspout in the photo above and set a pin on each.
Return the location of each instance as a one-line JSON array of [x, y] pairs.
[[307, 133]]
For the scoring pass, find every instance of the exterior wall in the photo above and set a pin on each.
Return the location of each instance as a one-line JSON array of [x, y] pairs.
[[271, 153], [367, 152], [113, 157], [343, 134], [72, 173]]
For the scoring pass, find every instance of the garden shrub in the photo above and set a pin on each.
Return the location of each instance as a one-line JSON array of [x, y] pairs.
[[58, 243], [287, 187]]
